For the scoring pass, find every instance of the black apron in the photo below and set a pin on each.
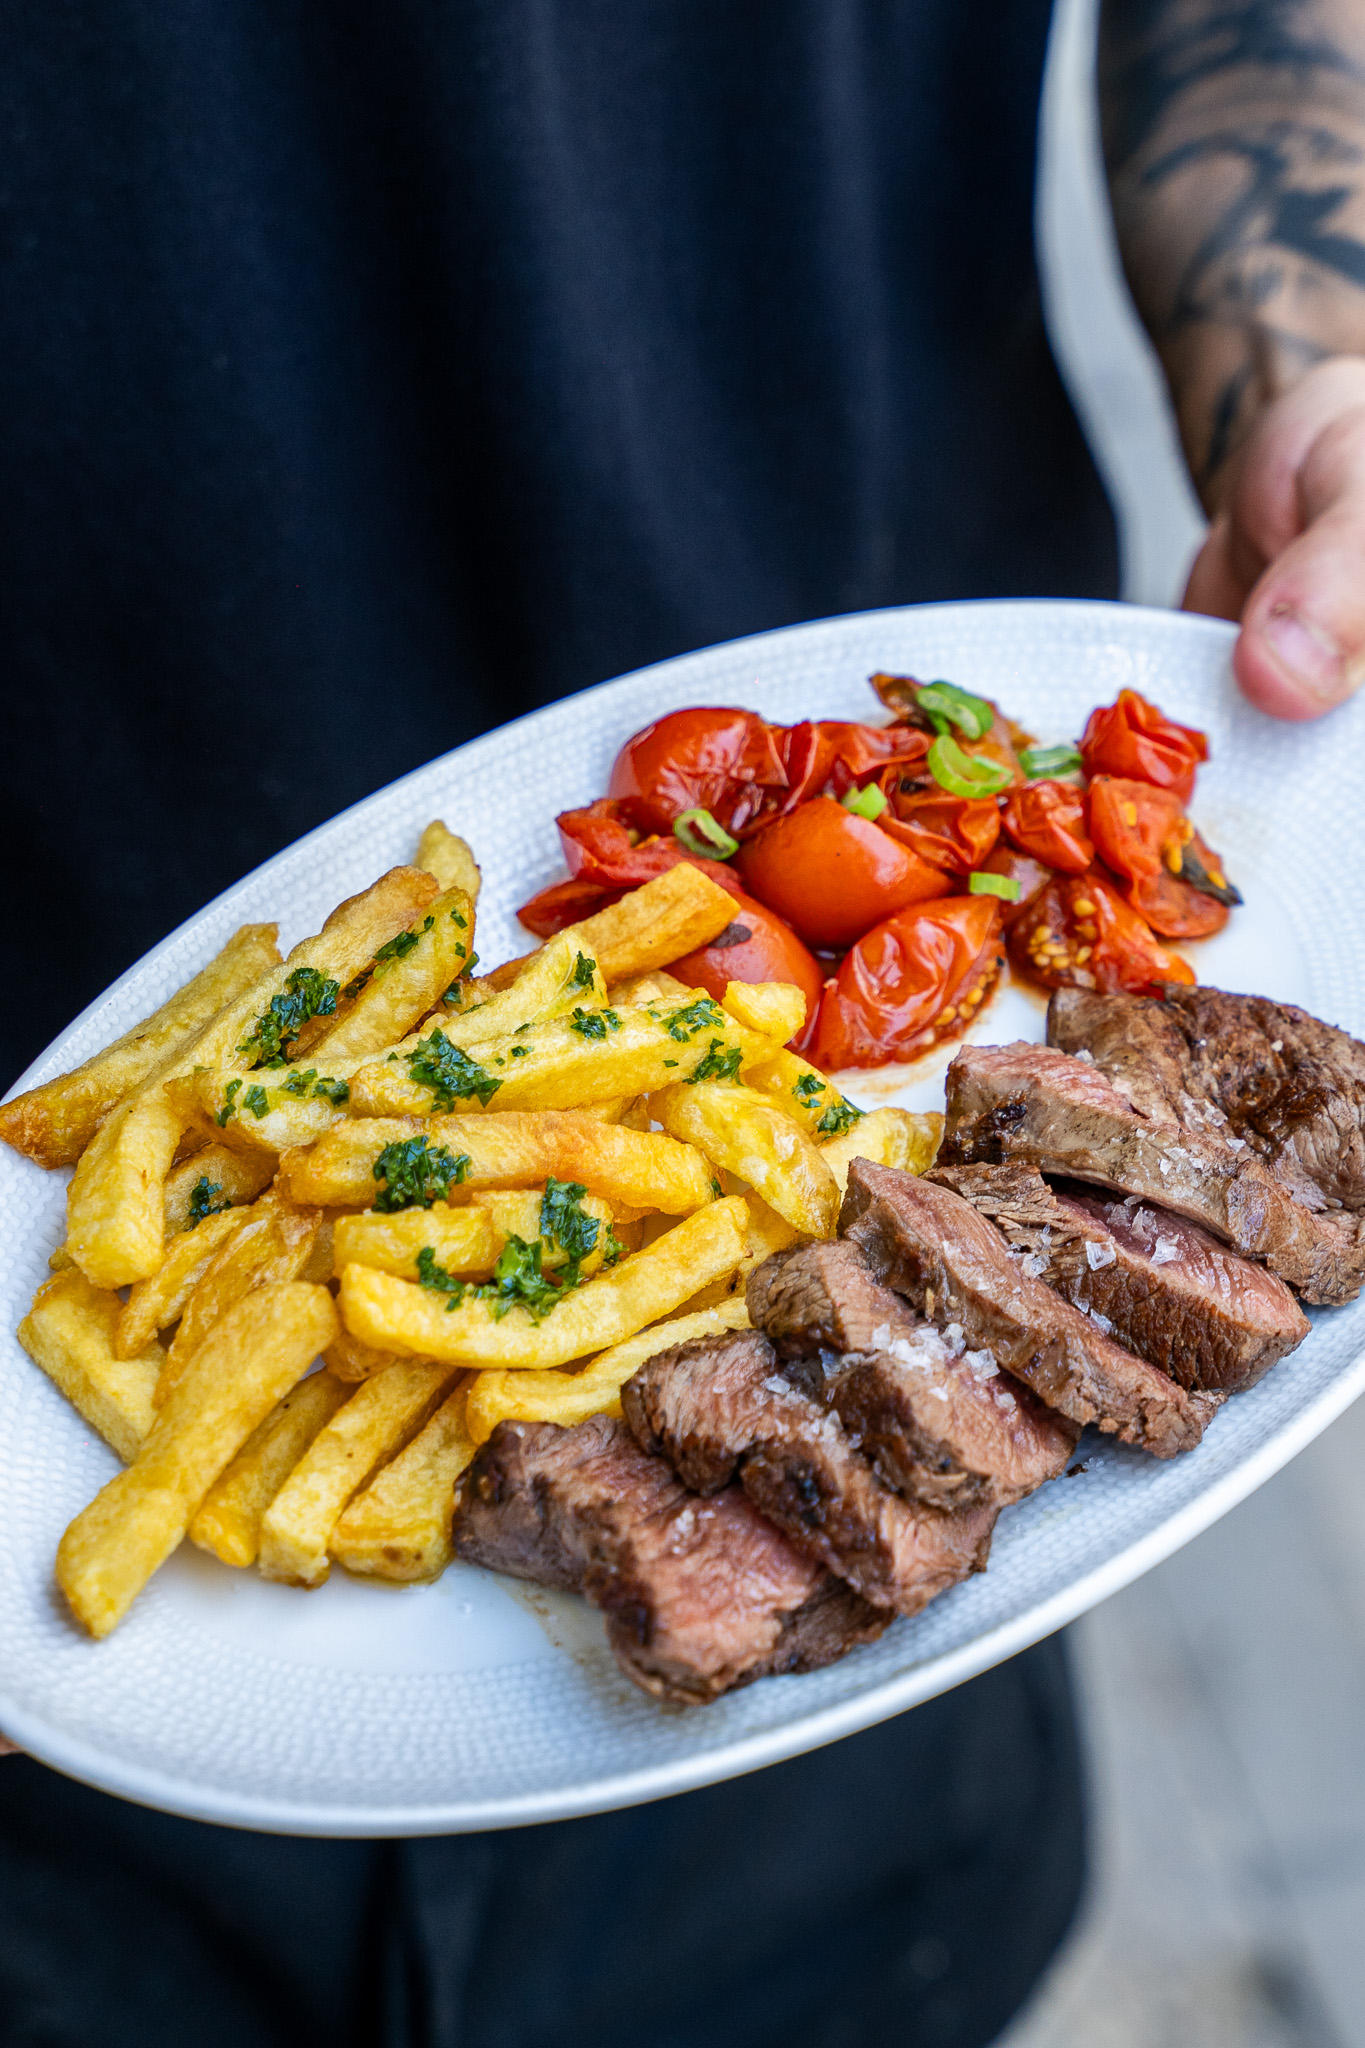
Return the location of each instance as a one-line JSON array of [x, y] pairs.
[[370, 375]]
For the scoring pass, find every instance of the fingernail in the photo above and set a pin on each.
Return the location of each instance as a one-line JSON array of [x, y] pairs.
[[1310, 656]]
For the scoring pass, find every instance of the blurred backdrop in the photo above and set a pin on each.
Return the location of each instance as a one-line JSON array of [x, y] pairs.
[[1224, 1692]]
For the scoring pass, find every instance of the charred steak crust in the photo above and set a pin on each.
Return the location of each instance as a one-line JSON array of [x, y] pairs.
[[700, 1596], [1068, 1118], [720, 1407], [1170, 1292], [940, 1428], [930, 1245]]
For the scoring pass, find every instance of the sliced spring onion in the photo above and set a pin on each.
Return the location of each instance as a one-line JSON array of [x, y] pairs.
[[965, 774], [698, 831], [864, 803], [1006, 887], [947, 705], [1036, 761]]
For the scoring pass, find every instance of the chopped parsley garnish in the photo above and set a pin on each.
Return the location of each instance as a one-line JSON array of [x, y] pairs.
[[594, 1023], [703, 1015], [203, 1201], [462, 922], [564, 1220], [717, 1190], [808, 1090], [413, 1174], [519, 1281], [229, 1107], [838, 1118], [615, 1249], [520, 1052], [584, 971], [312, 1082], [715, 1065], [429, 1274], [398, 948], [257, 1101], [335, 1092], [454, 994], [450, 1073], [305, 995]]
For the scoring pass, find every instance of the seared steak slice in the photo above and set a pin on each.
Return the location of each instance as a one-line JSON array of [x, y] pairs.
[[700, 1595], [941, 1425], [1062, 1115], [1168, 1290], [1266, 1075], [950, 1263], [720, 1406]]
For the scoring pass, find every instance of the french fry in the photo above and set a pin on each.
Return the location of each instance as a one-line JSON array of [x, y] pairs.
[[637, 1169], [428, 959], [346, 1358], [767, 1233], [749, 1135], [260, 1349], [571, 1397], [271, 1247], [155, 1304], [265, 1112], [803, 1091], [775, 1009], [69, 1332], [560, 977], [444, 854], [399, 1526], [888, 1137], [381, 1416], [116, 1203], [560, 1064], [394, 1315], [232, 1180], [466, 1241], [54, 1123], [660, 921], [229, 1519]]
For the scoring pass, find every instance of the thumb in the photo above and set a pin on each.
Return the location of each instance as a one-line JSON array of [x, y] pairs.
[[1302, 646]]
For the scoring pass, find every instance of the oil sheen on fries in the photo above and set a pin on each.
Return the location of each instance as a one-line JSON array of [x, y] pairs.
[[399, 1527]]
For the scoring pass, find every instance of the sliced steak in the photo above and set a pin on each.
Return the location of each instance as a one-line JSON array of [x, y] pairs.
[[720, 1408], [1165, 1288], [1062, 1115], [942, 1425], [699, 1595], [1266, 1075], [950, 1263]]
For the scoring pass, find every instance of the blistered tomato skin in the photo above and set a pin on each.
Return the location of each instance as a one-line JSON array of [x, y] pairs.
[[1141, 833], [831, 875], [757, 946], [914, 979], [1131, 737], [1079, 933], [954, 833], [722, 761], [1047, 820]]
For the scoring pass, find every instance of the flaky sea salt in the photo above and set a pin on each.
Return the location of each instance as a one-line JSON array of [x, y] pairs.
[[1166, 1252], [1099, 1254]]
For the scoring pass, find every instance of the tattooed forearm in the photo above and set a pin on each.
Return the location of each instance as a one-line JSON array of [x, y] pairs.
[[1235, 137]]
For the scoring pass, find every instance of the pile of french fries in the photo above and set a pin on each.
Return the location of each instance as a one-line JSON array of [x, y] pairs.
[[336, 1216]]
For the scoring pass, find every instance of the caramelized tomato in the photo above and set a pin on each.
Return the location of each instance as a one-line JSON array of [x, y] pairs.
[[757, 946], [1132, 738], [724, 762], [951, 832], [1079, 933], [831, 874], [841, 754], [1047, 820], [915, 978], [604, 861], [1142, 834]]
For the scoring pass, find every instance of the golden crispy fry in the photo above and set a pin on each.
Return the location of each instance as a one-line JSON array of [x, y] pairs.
[[267, 1112], [399, 1527], [888, 1137], [560, 977], [155, 1304], [767, 1233], [272, 1247], [115, 1204], [465, 1241], [428, 959], [639, 1169], [561, 1064], [444, 854], [346, 1358], [397, 1316], [229, 1519], [749, 1135], [233, 1180], [803, 1091], [53, 1124], [260, 1349], [570, 1397], [69, 1332], [775, 1009], [661, 921], [381, 1416]]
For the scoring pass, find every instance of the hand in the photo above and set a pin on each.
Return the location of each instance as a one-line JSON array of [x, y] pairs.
[[1286, 552]]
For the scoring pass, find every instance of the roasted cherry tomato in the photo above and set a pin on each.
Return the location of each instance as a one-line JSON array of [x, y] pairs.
[[831, 874], [912, 980], [603, 863], [757, 946], [1132, 738], [1022, 868], [1079, 933], [724, 762], [1142, 833], [840, 754], [951, 832], [1047, 819]]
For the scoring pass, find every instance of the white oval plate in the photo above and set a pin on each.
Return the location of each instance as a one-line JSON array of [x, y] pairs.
[[365, 1709]]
